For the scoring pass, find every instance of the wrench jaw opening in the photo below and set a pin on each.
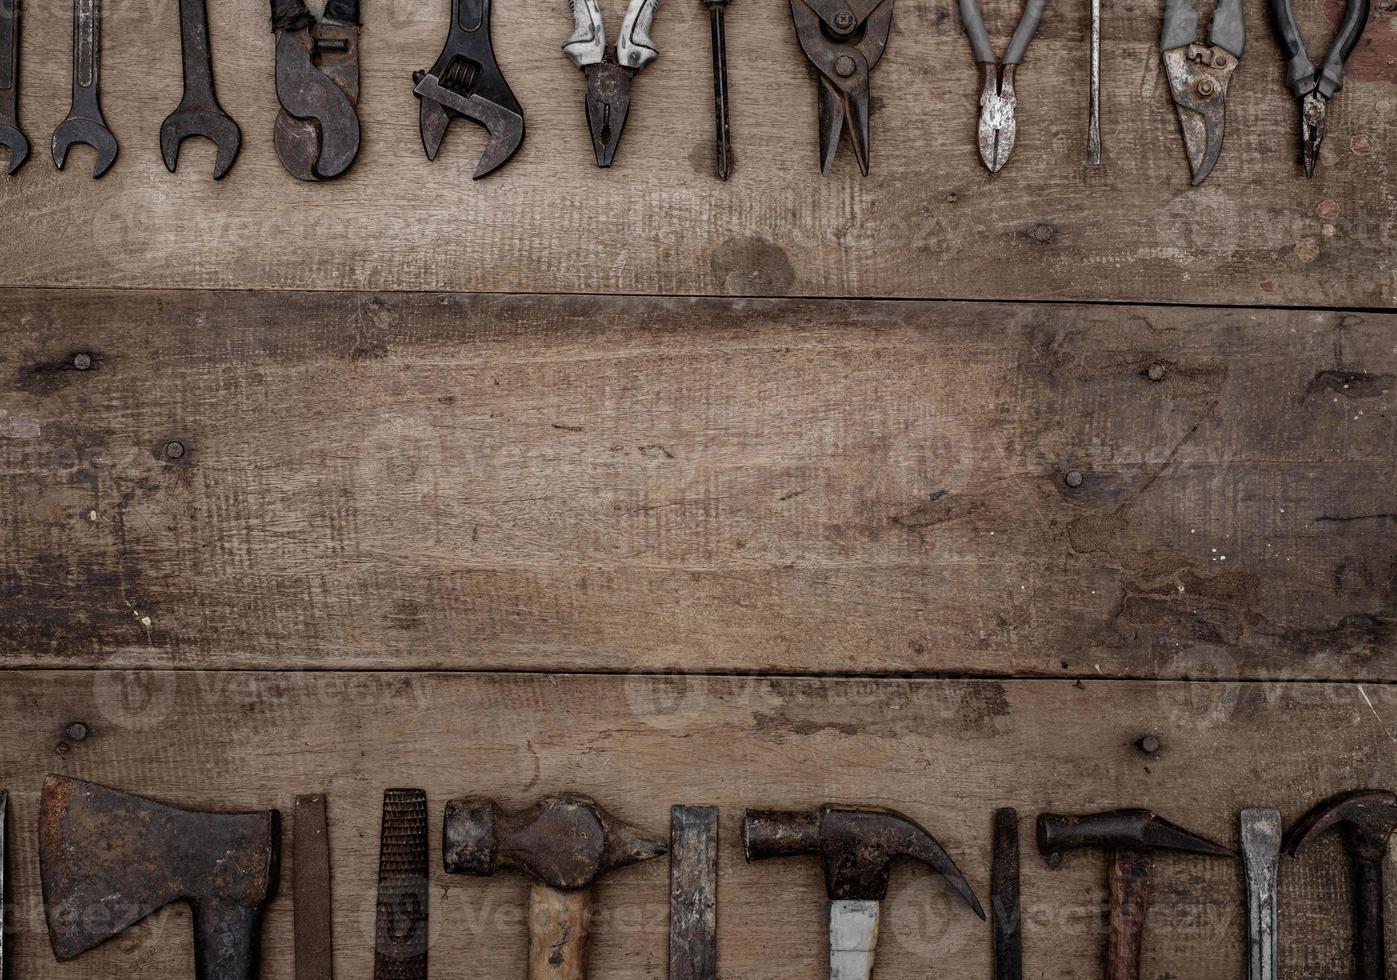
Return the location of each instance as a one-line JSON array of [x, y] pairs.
[[18, 145], [94, 134], [214, 126], [317, 82]]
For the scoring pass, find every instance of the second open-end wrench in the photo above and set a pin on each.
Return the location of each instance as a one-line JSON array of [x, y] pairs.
[[198, 113], [84, 123], [10, 135]]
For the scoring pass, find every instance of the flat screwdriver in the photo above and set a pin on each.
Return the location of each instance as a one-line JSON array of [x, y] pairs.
[[720, 86]]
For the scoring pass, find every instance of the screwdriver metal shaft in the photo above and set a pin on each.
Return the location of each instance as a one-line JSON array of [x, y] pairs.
[[1094, 123], [722, 145]]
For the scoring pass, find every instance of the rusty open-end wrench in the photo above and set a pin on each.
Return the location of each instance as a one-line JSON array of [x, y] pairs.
[[198, 113], [10, 135], [85, 123]]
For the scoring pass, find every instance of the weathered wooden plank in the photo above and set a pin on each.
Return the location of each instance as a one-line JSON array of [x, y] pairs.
[[945, 752], [407, 480], [929, 222]]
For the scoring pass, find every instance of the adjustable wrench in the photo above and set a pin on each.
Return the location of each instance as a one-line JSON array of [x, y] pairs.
[[85, 123], [10, 135], [198, 113]]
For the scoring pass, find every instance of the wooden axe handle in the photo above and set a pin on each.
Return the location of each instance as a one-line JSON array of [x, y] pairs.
[[560, 932], [1130, 899]]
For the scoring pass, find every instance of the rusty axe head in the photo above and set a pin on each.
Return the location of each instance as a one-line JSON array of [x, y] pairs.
[[108, 860]]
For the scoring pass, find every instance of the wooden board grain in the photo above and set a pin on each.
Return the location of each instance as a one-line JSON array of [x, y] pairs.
[[409, 480], [947, 753], [928, 222]]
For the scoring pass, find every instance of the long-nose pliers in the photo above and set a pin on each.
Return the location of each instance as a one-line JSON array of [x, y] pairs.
[[997, 99], [1314, 88], [1199, 75]]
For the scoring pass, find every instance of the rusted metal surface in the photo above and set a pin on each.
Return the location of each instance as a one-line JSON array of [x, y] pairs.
[[11, 136], [311, 889], [722, 137], [198, 113], [859, 846], [1131, 836], [1260, 832], [1367, 818], [4, 896], [317, 83], [693, 893], [565, 842], [108, 859], [400, 932], [84, 122], [1005, 912]]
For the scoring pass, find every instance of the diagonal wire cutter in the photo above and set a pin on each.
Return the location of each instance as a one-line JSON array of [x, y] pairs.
[[843, 42], [1314, 88], [610, 70], [997, 99], [1199, 75]]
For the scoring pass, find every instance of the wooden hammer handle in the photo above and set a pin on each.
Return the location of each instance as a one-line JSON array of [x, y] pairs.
[[560, 931], [1130, 899]]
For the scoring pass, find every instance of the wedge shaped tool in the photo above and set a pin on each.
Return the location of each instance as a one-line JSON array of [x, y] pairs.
[[317, 83], [108, 859], [1367, 818], [610, 70], [1199, 75], [11, 137], [998, 129], [1313, 87], [198, 112], [844, 43], [564, 844], [1131, 836], [859, 847], [1261, 851], [466, 82], [400, 928], [84, 123]]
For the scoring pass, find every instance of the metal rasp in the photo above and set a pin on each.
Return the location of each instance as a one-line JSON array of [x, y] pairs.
[[400, 935], [1261, 851], [311, 887], [693, 893]]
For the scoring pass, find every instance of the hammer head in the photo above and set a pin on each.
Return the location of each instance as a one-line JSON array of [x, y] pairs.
[[565, 842], [108, 860], [1368, 817], [858, 845], [1118, 830]]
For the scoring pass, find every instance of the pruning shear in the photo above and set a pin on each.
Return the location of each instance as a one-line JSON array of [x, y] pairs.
[[1314, 88], [610, 70], [997, 99], [844, 42], [1199, 75]]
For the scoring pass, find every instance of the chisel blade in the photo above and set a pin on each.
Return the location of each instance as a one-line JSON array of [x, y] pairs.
[[311, 885], [693, 893]]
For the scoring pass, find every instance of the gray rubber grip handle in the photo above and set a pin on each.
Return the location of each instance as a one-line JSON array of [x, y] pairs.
[[1229, 27], [975, 30], [1028, 26], [1332, 75], [1180, 25]]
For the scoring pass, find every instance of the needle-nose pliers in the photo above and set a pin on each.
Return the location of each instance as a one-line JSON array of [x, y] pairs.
[[610, 70], [997, 99], [1314, 88], [1199, 74]]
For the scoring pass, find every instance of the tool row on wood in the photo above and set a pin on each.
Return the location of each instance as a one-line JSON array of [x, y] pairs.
[[317, 81], [108, 859]]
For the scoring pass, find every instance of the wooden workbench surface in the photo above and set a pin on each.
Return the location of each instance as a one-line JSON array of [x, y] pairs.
[[933, 490]]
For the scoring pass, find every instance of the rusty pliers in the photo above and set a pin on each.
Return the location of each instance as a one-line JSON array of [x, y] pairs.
[[1199, 74], [317, 83], [843, 42], [998, 129], [1315, 87], [610, 70]]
